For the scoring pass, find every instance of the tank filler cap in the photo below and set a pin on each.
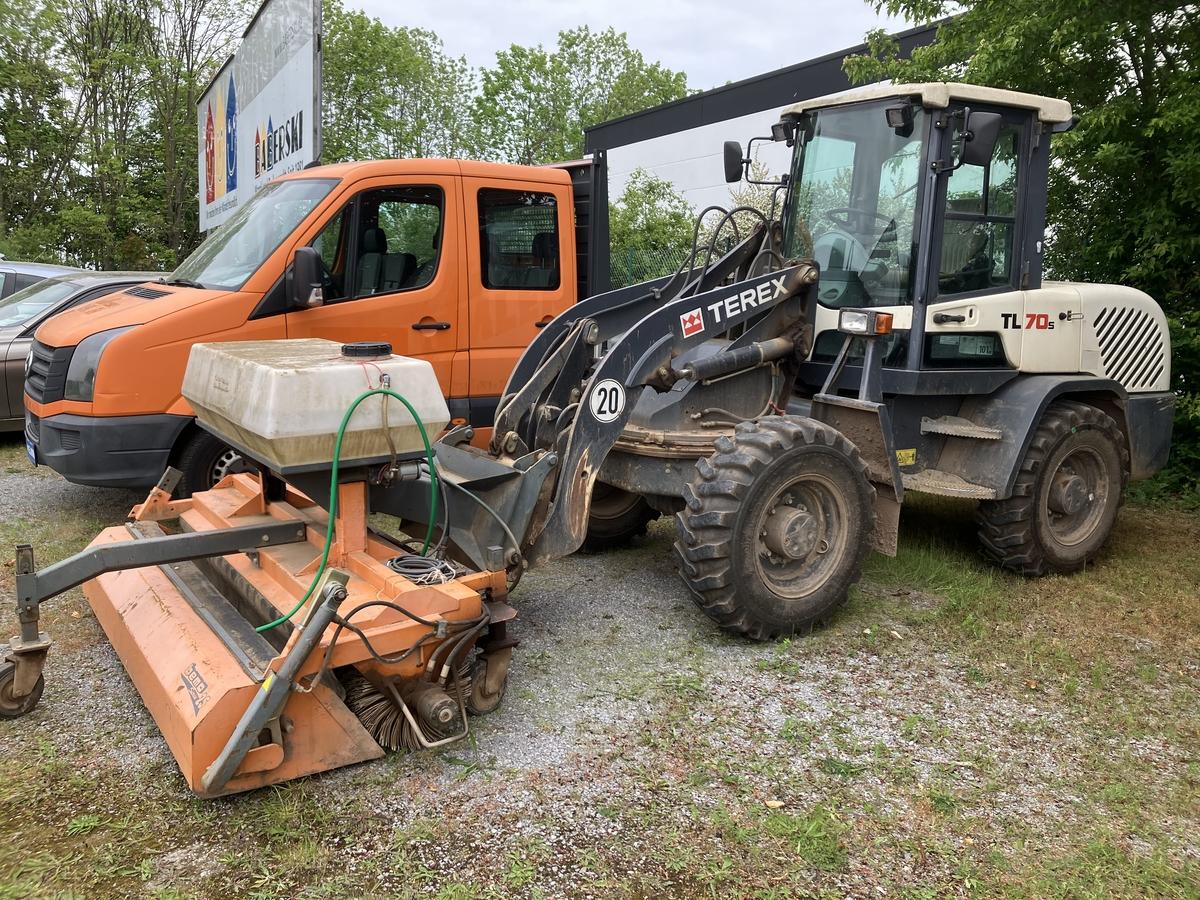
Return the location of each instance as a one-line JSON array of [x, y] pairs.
[[366, 349]]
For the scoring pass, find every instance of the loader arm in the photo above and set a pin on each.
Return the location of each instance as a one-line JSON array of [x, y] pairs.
[[641, 358], [613, 314]]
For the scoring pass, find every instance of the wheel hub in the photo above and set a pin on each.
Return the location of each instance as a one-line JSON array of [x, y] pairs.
[[791, 533], [1069, 494], [228, 463]]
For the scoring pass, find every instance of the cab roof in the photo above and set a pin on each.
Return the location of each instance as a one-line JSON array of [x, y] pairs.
[[471, 168], [940, 94]]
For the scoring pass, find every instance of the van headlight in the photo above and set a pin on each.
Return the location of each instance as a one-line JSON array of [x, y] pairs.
[[81, 373]]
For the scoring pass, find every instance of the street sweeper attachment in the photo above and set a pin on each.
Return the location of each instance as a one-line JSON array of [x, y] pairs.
[[270, 636]]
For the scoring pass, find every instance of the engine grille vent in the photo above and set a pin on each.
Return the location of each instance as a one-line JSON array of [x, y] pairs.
[[147, 293], [1132, 346], [47, 377]]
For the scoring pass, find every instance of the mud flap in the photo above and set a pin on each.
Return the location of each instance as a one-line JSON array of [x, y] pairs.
[[868, 425]]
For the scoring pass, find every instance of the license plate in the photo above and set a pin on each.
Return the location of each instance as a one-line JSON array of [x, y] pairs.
[[31, 451]]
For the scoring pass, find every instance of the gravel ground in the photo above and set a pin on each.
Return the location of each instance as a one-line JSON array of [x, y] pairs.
[[638, 753]]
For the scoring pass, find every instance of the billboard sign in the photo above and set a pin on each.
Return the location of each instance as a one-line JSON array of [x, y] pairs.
[[261, 115]]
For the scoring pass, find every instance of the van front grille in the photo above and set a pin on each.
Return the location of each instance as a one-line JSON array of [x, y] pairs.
[[46, 379]]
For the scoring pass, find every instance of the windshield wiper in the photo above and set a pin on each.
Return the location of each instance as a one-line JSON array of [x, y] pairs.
[[181, 282]]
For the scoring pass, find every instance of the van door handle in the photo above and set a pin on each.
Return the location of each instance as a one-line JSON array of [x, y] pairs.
[[943, 318], [431, 326], [543, 323]]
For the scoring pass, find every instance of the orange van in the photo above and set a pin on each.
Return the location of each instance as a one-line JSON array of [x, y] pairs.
[[455, 262]]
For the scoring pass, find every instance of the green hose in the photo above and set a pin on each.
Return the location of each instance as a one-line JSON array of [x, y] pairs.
[[333, 497]]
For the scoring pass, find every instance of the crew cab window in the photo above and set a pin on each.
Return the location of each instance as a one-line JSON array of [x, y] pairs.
[[399, 239], [980, 222], [518, 239]]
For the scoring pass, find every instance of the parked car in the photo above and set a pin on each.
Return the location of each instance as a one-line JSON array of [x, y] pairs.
[[16, 276], [23, 311]]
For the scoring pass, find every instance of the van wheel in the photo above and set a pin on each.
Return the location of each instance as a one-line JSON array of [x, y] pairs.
[[1065, 499], [204, 461], [616, 518]]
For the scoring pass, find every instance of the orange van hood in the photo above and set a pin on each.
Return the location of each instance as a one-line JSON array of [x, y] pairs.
[[119, 310]]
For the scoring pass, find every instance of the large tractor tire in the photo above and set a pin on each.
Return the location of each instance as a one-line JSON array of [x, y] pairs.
[[1066, 496], [617, 517], [775, 526]]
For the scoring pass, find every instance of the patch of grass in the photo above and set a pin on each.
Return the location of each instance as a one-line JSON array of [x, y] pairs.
[[85, 824], [842, 768], [942, 800], [816, 836], [519, 870], [797, 731], [1102, 867]]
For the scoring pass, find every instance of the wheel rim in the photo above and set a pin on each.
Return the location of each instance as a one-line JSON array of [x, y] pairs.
[[11, 706], [230, 462], [8, 703], [800, 536], [610, 503], [1076, 496]]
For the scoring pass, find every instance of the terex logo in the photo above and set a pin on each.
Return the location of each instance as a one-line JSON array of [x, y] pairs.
[[692, 322], [747, 299]]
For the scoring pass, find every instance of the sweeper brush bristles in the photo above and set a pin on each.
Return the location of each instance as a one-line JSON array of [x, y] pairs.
[[380, 715]]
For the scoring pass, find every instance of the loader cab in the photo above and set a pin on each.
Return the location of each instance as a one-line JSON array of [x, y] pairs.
[[929, 205]]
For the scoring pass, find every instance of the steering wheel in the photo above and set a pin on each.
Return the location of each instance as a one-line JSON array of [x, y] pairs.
[[329, 282], [845, 212]]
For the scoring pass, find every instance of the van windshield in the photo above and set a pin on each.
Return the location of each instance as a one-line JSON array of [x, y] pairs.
[[233, 252]]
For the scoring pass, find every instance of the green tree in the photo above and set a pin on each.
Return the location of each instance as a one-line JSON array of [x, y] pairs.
[[391, 92], [98, 126], [1124, 192], [650, 229], [535, 103], [39, 126]]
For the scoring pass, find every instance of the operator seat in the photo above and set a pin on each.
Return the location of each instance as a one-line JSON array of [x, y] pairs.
[[396, 270], [545, 259], [966, 265], [370, 262]]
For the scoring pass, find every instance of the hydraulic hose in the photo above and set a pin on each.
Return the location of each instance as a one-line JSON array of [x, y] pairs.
[[333, 496]]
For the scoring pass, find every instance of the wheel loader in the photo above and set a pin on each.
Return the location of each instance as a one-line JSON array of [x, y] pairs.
[[889, 332]]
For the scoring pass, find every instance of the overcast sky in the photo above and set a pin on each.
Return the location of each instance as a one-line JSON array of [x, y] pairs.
[[713, 41]]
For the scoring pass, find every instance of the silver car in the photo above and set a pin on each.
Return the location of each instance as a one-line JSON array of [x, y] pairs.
[[21, 313], [16, 276]]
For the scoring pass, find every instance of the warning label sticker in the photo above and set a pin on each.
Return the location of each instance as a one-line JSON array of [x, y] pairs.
[[197, 687]]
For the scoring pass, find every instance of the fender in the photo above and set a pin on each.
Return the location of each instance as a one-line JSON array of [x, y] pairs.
[[1017, 407]]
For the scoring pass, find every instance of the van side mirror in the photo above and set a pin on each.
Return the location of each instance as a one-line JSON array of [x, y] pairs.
[[981, 130], [305, 285], [733, 161]]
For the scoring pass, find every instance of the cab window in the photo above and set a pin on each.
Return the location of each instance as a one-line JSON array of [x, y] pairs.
[[332, 245], [980, 222], [518, 239], [399, 240]]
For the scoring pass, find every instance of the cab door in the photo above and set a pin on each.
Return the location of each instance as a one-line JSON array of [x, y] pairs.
[[521, 274], [975, 314], [392, 262]]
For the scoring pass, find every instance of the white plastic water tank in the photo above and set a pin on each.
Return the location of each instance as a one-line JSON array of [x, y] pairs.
[[283, 400]]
